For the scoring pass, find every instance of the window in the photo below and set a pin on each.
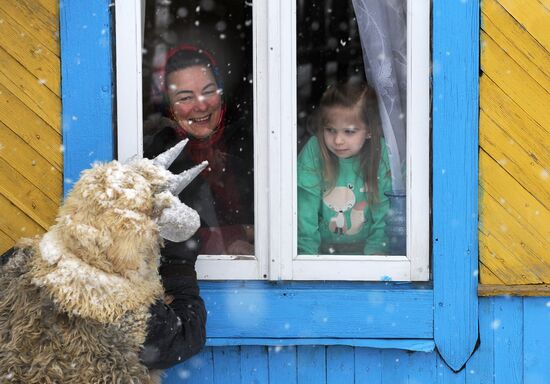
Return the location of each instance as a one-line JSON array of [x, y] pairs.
[[271, 83]]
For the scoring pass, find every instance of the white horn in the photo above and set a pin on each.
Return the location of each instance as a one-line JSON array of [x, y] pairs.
[[182, 180], [166, 158]]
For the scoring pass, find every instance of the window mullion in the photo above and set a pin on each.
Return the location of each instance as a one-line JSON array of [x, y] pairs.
[[261, 136], [281, 80], [128, 78], [418, 140]]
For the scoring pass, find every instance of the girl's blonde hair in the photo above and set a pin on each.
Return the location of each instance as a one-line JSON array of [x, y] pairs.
[[352, 95]]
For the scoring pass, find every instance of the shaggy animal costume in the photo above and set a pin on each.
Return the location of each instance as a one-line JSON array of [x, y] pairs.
[[74, 304]]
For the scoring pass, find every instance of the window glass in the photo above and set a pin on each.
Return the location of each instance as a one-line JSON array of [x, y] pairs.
[[197, 84], [351, 96]]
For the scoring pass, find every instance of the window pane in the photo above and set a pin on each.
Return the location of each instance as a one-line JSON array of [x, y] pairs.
[[351, 94], [197, 84]]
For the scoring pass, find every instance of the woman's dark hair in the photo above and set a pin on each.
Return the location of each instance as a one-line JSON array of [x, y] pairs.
[[352, 95], [185, 56]]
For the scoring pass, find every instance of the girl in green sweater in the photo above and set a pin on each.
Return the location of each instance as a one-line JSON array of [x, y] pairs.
[[343, 172]]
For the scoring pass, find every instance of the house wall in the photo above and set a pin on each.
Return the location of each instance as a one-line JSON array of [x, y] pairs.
[[514, 348], [514, 342], [30, 118], [514, 157]]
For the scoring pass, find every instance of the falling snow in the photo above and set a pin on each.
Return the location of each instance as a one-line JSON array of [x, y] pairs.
[[184, 374]]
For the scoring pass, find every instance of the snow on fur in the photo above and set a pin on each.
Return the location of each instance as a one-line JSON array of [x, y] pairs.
[[75, 302]]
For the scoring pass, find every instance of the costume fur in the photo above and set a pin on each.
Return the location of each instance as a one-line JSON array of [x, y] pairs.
[[74, 303]]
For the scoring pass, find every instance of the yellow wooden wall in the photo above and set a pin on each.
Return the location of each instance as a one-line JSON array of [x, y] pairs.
[[514, 231], [30, 118]]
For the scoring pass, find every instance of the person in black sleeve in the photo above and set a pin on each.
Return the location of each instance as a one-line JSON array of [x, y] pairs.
[[222, 195]]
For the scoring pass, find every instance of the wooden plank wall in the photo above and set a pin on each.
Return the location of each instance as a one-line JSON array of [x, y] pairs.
[[30, 118], [514, 230], [514, 349]]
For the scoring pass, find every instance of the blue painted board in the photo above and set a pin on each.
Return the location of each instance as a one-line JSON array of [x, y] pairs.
[[340, 364], [318, 310], [421, 368], [422, 345], [507, 327], [227, 365], [536, 331], [396, 364], [86, 85], [455, 56], [282, 365], [197, 370], [368, 366], [445, 375], [481, 364], [254, 365], [311, 364]]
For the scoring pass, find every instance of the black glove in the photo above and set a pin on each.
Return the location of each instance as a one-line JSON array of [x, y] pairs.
[[6, 256], [184, 253], [176, 331]]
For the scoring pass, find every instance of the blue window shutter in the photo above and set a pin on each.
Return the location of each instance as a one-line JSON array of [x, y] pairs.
[[86, 85], [455, 177]]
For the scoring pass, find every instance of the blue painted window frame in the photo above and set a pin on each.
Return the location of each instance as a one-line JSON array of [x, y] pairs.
[[241, 312]]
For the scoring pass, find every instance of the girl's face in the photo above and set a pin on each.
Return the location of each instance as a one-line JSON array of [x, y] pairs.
[[344, 131], [195, 100]]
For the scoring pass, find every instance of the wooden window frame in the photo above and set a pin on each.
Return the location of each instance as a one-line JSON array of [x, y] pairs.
[[449, 316], [276, 256]]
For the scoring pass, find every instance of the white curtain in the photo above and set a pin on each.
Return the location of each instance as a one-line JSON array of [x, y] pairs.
[[383, 31]]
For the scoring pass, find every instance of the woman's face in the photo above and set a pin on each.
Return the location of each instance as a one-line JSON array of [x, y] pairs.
[[195, 100]]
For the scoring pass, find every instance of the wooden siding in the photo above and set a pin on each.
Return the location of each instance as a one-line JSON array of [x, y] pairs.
[[514, 231], [514, 348], [30, 118]]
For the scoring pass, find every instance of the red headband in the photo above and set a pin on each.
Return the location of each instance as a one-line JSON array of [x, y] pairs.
[[192, 48]]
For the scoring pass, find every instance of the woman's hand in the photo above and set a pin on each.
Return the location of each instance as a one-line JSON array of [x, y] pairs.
[[249, 233], [240, 247]]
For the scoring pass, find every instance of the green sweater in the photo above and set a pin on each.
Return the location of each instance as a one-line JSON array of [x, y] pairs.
[[340, 220]]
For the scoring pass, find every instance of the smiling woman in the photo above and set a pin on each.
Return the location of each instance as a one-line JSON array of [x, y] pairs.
[[194, 97], [223, 193]]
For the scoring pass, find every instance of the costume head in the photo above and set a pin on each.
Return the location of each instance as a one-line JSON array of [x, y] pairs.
[[75, 303]]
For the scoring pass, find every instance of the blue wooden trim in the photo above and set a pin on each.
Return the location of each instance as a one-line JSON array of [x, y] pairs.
[[282, 365], [455, 58], [536, 340], [86, 85], [340, 364], [368, 366], [227, 363], [395, 366], [318, 310], [507, 326], [311, 364], [197, 370], [482, 363], [444, 375], [254, 366], [417, 345]]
